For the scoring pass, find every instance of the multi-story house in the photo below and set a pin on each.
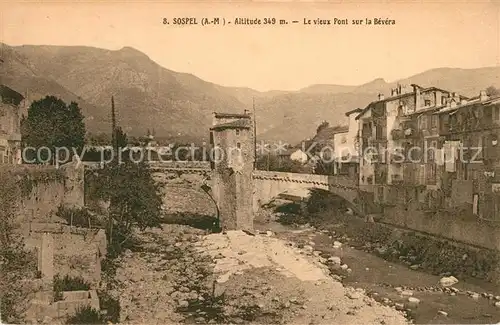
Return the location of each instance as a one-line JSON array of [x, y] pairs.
[[10, 130], [394, 135], [345, 146], [470, 172], [430, 149]]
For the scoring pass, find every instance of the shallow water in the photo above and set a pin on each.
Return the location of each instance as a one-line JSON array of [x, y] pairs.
[[376, 275]]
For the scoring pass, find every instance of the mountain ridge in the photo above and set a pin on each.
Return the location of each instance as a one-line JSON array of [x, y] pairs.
[[180, 105]]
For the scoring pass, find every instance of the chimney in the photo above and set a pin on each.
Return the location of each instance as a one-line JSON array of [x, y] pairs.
[[416, 91], [483, 96], [214, 119], [380, 96], [437, 98]]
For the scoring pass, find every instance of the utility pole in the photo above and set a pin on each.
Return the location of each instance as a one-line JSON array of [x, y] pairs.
[[113, 126], [254, 135]]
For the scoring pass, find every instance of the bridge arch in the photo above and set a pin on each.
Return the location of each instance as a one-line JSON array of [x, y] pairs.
[[270, 185]]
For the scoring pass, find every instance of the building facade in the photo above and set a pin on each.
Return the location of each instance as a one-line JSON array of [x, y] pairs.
[[394, 133], [10, 128], [469, 175], [432, 150], [346, 147]]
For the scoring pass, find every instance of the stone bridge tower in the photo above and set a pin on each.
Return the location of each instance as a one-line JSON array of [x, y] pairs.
[[233, 143]]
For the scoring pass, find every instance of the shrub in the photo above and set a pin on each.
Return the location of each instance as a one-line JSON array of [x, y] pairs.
[[78, 217], [323, 200], [86, 315], [112, 307], [68, 284]]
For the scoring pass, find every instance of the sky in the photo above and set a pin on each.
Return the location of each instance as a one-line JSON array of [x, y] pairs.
[[426, 35]]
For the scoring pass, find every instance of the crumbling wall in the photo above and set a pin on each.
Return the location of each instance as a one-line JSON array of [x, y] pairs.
[[76, 252], [45, 188]]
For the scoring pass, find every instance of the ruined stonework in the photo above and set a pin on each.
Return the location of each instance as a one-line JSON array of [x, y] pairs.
[[232, 137]]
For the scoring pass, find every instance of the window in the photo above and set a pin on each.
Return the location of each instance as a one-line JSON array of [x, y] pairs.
[[238, 145], [434, 121], [496, 113], [237, 132], [423, 122], [431, 151], [427, 102]]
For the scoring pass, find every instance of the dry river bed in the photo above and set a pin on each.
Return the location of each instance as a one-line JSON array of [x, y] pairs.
[[396, 284], [183, 275]]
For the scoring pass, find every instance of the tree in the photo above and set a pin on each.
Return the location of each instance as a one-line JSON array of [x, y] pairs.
[[121, 138], [492, 91], [134, 198], [99, 139], [274, 163], [322, 126], [52, 123]]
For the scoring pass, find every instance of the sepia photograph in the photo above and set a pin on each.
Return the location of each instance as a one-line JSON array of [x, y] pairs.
[[252, 162]]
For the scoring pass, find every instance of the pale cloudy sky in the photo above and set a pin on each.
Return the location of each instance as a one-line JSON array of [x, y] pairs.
[[426, 36]]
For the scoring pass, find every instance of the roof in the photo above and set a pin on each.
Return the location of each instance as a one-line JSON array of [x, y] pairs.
[[491, 101], [329, 132], [10, 96], [231, 115], [404, 95], [426, 110], [238, 124], [363, 111], [357, 110]]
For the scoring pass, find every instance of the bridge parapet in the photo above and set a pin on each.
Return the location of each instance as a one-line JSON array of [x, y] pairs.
[[181, 164], [311, 179]]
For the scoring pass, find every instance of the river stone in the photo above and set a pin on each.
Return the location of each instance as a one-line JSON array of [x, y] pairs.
[[335, 260], [448, 281], [413, 301]]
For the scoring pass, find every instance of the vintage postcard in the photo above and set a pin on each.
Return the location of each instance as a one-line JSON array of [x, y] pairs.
[[254, 162]]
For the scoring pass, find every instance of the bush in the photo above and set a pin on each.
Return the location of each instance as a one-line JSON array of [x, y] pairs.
[[78, 217], [134, 197], [68, 284], [112, 307], [323, 200], [86, 315]]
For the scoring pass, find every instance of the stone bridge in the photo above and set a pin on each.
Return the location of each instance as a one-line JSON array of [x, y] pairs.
[[269, 185]]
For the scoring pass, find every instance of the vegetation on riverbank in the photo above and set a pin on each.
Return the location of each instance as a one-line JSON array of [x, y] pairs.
[[419, 251]]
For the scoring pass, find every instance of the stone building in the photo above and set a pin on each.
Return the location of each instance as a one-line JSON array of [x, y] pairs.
[[345, 145], [233, 143], [10, 129], [469, 176], [432, 150], [389, 129]]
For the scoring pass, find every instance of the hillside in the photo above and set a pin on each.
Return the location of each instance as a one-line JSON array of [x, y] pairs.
[[179, 105]]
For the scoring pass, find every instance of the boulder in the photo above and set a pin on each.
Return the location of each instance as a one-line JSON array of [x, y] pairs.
[[448, 281]]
